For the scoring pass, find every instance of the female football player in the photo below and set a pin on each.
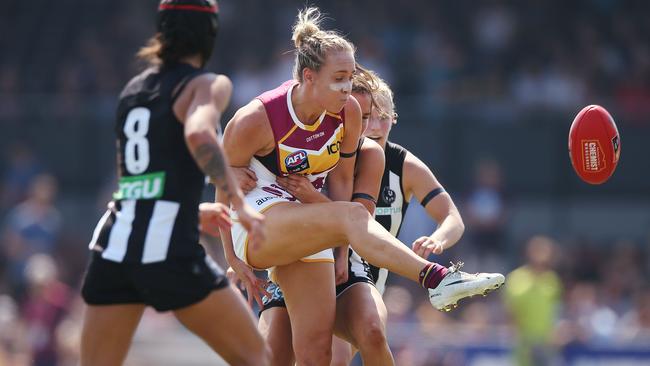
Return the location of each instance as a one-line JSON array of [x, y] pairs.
[[310, 126], [405, 176], [145, 249], [357, 291], [366, 320]]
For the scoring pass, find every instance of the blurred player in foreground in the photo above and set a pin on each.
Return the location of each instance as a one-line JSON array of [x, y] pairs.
[[145, 249]]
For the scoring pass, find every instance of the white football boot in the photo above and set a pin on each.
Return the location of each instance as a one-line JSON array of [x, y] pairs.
[[458, 285]]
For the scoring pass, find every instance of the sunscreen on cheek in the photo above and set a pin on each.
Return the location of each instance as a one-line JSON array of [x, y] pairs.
[[342, 86]]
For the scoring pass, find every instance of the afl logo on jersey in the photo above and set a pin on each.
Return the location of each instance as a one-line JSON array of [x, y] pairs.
[[388, 195], [297, 161]]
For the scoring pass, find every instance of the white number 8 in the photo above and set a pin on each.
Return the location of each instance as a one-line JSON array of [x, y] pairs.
[[136, 150]]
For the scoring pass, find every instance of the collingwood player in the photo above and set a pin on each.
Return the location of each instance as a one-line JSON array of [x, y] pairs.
[[145, 249], [406, 176]]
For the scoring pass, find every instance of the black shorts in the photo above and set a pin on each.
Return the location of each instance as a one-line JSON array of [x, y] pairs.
[[168, 285], [358, 272], [275, 300]]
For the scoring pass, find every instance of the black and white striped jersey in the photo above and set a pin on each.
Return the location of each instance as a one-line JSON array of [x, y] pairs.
[[391, 203], [154, 212]]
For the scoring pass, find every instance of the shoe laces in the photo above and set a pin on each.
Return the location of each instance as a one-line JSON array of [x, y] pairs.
[[455, 267]]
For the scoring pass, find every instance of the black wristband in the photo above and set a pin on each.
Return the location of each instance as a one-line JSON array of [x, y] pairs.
[[431, 195], [364, 196], [348, 155]]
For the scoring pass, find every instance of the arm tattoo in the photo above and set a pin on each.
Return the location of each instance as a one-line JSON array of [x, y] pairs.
[[210, 159]]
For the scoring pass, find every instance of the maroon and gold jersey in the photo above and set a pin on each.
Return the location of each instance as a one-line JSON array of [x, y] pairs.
[[310, 150]]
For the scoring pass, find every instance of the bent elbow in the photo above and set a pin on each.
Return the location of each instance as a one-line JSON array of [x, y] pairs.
[[197, 138], [461, 224]]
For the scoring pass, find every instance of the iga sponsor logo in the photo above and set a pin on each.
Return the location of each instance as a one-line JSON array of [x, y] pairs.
[[297, 161]]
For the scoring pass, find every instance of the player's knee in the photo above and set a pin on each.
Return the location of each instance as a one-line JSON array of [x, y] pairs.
[[372, 336], [254, 357], [341, 358], [281, 353], [317, 350], [314, 357], [356, 213]]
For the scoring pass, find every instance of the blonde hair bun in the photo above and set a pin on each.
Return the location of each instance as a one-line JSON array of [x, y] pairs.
[[307, 25]]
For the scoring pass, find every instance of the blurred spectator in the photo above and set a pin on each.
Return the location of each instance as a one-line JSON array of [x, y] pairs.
[[575, 327], [533, 295], [635, 324], [13, 350], [21, 168], [31, 227], [45, 306], [494, 27], [399, 303], [68, 333], [485, 211], [527, 44], [10, 101]]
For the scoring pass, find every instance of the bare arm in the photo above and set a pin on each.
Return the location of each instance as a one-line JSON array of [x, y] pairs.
[[226, 235], [419, 181], [209, 98], [209, 95], [340, 180], [248, 133], [367, 182], [243, 137]]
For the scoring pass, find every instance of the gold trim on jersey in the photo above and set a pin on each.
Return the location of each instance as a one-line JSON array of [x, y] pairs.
[[337, 116], [314, 127], [288, 134], [320, 260]]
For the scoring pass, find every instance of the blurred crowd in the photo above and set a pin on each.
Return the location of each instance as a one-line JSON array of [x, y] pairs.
[[537, 53], [534, 54], [560, 293]]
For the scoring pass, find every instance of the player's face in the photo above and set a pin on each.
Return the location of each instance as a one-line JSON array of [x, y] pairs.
[[379, 126], [333, 83], [365, 101]]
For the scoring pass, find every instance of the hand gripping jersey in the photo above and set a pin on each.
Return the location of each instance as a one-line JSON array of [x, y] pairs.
[[390, 210], [154, 214], [309, 150]]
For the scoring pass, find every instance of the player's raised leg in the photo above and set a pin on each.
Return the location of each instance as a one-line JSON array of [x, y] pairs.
[[326, 225]]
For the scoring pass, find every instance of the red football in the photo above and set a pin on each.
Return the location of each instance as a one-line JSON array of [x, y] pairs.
[[594, 144]]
